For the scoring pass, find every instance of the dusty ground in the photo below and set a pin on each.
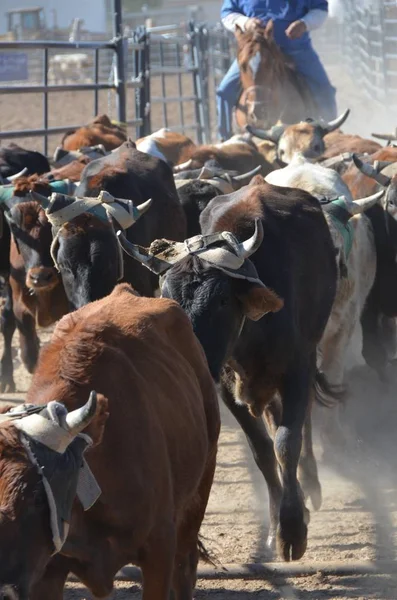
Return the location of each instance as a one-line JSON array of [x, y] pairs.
[[358, 519]]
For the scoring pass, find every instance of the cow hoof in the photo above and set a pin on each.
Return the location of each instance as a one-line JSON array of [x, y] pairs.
[[292, 536], [7, 385]]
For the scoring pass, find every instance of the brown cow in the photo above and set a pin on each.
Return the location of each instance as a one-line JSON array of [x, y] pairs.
[[174, 148], [306, 138], [358, 182], [237, 154], [100, 131], [154, 464], [38, 297]]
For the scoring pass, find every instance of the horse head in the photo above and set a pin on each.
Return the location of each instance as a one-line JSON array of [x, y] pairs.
[[263, 70]]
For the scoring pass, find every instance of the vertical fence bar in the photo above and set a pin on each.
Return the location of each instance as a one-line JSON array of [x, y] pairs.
[[197, 81], [204, 77], [179, 64], [163, 88], [45, 102], [96, 79], [141, 73], [120, 63]]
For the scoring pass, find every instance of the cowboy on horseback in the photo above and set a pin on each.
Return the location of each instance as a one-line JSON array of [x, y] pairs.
[[290, 22]]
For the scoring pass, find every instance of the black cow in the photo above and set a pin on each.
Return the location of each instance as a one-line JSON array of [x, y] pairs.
[[14, 159], [86, 248], [263, 361], [196, 188], [380, 311]]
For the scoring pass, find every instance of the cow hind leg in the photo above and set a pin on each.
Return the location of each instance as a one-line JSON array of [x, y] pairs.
[[7, 329], [157, 567], [292, 530], [28, 338], [188, 551], [307, 469], [263, 452]]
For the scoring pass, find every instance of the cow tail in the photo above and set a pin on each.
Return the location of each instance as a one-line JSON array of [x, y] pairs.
[[326, 394], [208, 557]]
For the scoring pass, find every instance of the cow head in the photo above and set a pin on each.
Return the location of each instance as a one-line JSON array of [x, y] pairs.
[[384, 173], [41, 454], [214, 281], [306, 138], [30, 246], [85, 248]]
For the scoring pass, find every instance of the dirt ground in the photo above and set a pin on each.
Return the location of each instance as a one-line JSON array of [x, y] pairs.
[[358, 519]]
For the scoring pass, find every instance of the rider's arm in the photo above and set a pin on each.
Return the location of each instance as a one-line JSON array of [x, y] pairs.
[[314, 18], [231, 16]]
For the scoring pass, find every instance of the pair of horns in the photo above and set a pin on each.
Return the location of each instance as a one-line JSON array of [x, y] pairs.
[[104, 197], [274, 134], [374, 171], [160, 265]]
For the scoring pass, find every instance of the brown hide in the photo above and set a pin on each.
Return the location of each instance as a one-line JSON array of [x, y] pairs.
[[47, 303], [337, 143], [32, 183], [156, 461], [359, 184], [100, 131], [71, 171], [176, 147], [231, 157]]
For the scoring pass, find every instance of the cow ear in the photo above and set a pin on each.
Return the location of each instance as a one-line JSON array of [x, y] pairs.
[[258, 300], [97, 426]]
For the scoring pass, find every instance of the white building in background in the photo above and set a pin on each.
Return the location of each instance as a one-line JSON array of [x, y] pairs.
[[61, 12]]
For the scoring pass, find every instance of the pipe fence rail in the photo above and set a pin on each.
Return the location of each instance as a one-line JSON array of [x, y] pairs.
[[174, 69]]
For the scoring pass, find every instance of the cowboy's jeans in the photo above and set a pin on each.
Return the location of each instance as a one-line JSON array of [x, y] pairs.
[[307, 63]]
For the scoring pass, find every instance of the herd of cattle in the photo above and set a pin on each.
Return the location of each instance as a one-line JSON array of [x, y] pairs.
[[270, 259]]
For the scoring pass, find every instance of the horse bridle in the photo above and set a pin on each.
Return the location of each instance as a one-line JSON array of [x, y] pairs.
[[255, 103]]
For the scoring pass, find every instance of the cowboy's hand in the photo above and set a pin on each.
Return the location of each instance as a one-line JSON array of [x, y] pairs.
[[296, 30], [252, 24]]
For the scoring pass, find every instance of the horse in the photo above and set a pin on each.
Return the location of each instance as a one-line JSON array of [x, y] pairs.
[[272, 89]]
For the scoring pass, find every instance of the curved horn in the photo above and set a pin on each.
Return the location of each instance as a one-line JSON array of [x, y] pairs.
[[140, 210], [388, 137], [379, 165], [183, 166], [369, 171], [363, 204], [142, 255], [78, 419], [20, 174], [247, 175], [43, 200], [272, 135], [247, 248], [336, 123]]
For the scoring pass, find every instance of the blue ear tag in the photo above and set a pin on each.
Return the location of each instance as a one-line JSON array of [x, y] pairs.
[[255, 63]]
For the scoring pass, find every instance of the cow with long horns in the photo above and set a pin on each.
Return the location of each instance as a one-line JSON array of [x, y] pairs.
[[258, 286], [150, 430], [306, 138]]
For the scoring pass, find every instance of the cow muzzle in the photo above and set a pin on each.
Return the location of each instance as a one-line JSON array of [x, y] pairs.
[[41, 279], [9, 592]]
